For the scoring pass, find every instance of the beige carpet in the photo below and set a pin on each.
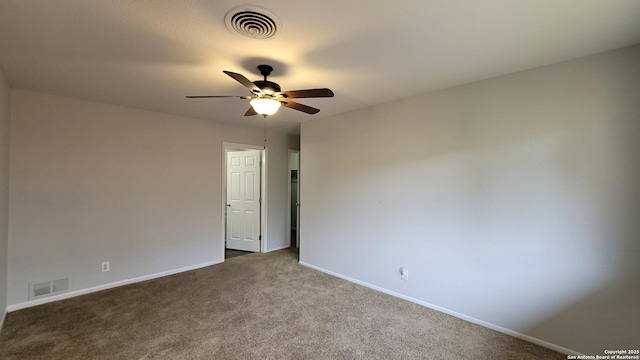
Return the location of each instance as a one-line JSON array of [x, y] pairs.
[[258, 306]]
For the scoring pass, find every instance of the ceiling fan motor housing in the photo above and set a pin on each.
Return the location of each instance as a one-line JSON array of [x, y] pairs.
[[267, 87]]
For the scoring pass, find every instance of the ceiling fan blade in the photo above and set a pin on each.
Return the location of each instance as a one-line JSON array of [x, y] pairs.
[[244, 81], [216, 96], [310, 93], [299, 107], [250, 112]]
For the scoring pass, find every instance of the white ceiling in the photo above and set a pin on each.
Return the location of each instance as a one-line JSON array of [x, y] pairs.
[[149, 54]]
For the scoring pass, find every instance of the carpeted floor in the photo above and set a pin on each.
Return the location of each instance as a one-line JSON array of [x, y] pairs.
[[257, 306]]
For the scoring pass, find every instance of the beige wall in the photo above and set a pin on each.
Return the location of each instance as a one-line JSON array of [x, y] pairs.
[[512, 201], [5, 107], [96, 182]]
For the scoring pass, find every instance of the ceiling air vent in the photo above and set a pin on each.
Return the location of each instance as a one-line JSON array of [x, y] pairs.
[[253, 22]]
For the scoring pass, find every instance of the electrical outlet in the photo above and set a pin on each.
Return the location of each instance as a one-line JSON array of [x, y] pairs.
[[404, 274], [105, 266]]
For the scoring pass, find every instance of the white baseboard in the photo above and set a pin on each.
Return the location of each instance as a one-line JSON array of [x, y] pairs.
[[93, 289], [278, 248], [470, 319]]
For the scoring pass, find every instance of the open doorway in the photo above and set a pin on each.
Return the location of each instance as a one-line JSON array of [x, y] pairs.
[[294, 199], [244, 206]]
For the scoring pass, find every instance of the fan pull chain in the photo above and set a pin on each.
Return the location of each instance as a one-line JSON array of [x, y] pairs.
[[265, 134]]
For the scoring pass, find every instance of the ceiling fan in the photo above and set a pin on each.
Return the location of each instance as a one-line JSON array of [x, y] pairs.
[[266, 96]]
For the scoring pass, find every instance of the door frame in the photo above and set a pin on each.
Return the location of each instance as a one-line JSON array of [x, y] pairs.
[[229, 146], [289, 209]]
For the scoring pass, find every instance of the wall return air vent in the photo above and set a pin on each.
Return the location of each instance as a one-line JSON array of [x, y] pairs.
[[253, 22], [48, 288]]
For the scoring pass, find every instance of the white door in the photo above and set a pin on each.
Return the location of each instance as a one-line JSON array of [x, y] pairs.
[[243, 200]]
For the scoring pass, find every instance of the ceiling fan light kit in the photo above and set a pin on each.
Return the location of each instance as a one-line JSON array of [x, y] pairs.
[[266, 96], [265, 106]]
